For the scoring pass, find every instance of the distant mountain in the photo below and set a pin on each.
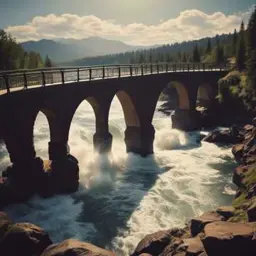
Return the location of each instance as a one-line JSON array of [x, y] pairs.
[[63, 50], [177, 52]]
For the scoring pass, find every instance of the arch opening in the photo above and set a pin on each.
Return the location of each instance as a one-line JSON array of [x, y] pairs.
[[174, 96], [41, 132], [81, 130], [204, 97], [4, 157]]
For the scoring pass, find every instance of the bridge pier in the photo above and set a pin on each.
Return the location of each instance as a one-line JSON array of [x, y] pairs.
[[64, 170], [102, 142], [186, 120], [140, 140]]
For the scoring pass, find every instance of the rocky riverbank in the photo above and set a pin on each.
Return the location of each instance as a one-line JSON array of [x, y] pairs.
[[229, 230]]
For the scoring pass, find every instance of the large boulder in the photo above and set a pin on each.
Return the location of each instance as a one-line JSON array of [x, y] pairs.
[[184, 247], [226, 211], [197, 224], [72, 247], [154, 243], [227, 136], [227, 238], [24, 239]]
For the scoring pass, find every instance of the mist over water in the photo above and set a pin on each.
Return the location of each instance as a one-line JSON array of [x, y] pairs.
[[122, 197]]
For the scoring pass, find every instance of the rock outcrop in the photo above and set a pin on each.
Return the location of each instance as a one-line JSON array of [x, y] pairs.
[[75, 248]]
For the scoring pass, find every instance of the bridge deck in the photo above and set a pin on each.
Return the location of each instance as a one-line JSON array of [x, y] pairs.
[[12, 81]]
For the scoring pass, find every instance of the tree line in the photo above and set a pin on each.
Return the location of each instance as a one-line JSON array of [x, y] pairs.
[[14, 57]]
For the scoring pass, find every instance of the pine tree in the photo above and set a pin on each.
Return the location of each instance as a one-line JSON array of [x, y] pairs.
[[240, 51], [251, 42], [209, 47], [48, 62], [196, 54], [234, 43], [184, 59], [219, 55]]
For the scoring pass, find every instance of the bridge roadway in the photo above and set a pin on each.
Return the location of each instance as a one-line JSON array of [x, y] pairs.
[[11, 81]]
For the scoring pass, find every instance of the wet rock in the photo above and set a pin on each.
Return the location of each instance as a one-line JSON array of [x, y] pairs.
[[251, 212], [254, 121], [154, 243], [237, 151], [61, 177], [228, 136], [226, 211], [75, 248], [238, 175], [227, 238], [197, 224], [24, 239]]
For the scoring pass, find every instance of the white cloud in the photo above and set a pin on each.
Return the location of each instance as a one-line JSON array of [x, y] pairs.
[[190, 24]]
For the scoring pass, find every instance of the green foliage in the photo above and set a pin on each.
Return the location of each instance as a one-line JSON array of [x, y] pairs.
[[251, 62], [14, 57]]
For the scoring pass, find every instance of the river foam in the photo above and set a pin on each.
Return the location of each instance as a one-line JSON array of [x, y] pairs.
[[122, 197]]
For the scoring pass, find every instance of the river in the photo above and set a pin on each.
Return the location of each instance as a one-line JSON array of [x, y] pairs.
[[122, 197]]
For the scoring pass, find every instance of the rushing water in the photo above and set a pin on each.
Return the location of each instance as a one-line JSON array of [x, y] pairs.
[[122, 196]]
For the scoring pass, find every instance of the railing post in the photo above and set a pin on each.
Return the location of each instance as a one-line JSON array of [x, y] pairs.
[[157, 68], [103, 72], [119, 71], [7, 85], [62, 76], [90, 74], [78, 75], [43, 78], [130, 70], [188, 67], [25, 80], [142, 73], [166, 67], [151, 68]]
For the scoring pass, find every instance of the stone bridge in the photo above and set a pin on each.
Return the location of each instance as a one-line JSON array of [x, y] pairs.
[[58, 93]]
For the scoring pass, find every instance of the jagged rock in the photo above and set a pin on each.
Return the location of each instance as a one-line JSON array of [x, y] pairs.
[[75, 248], [5, 222], [154, 243], [228, 136], [237, 151], [227, 238], [251, 212], [194, 246], [197, 224], [238, 175], [186, 247], [226, 211], [24, 239]]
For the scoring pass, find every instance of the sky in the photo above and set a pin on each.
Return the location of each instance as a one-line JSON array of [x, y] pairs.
[[137, 22]]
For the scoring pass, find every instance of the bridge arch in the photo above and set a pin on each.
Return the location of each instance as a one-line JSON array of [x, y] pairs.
[[129, 110], [205, 95]]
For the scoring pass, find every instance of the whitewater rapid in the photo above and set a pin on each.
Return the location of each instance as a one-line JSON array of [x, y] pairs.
[[122, 197]]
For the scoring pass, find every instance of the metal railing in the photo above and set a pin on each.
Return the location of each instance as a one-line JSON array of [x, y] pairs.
[[24, 79]]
